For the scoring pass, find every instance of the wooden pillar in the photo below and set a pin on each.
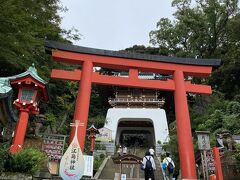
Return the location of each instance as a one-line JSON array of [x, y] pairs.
[[82, 103], [136, 166], [20, 131], [92, 138], [184, 134], [120, 170], [212, 177], [217, 162]]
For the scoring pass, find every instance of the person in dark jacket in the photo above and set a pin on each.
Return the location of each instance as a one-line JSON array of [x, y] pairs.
[[149, 173]]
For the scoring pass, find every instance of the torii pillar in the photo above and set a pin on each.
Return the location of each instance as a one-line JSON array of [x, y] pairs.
[[184, 132], [82, 102]]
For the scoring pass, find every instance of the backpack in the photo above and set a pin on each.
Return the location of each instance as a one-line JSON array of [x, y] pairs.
[[170, 167], [148, 166]]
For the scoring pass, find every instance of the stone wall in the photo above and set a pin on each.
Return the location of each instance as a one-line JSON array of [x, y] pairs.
[[15, 176]]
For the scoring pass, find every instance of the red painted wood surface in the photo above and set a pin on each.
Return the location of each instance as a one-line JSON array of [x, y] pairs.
[[82, 103], [167, 85], [20, 132], [218, 165], [184, 133], [178, 85]]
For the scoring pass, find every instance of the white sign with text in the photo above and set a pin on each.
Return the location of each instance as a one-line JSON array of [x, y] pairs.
[[72, 162], [88, 170], [203, 141]]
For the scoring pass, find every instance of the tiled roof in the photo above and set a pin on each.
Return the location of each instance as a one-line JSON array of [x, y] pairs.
[[121, 54]]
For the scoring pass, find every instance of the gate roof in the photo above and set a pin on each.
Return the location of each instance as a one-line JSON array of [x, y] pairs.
[[134, 63], [127, 55]]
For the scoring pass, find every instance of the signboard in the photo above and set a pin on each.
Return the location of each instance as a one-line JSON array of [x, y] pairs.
[[105, 134], [72, 162], [53, 167], [210, 161], [88, 169], [203, 140], [53, 145], [123, 176]]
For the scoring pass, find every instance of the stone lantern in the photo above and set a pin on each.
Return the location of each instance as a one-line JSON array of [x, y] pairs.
[[93, 131], [31, 90]]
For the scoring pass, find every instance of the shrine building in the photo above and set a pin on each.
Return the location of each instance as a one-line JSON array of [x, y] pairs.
[[137, 118]]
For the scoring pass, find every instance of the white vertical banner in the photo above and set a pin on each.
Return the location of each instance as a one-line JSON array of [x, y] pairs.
[[203, 140], [88, 170], [123, 176], [72, 162]]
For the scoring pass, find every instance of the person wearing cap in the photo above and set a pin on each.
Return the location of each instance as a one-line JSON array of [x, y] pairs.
[[151, 151], [148, 173]]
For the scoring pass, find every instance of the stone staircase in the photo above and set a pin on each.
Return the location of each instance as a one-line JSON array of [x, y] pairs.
[[131, 171], [158, 172], [109, 170]]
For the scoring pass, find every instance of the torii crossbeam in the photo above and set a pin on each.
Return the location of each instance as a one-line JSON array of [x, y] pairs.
[[134, 63]]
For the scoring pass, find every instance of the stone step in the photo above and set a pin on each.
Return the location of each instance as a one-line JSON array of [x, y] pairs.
[[131, 171], [158, 172]]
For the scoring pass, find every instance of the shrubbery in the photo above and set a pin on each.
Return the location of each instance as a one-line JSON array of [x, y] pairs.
[[98, 160], [4, 156], [28, 160], [237, 155]]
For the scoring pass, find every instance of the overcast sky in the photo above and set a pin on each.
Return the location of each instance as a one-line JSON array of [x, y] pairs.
[[114, 24]]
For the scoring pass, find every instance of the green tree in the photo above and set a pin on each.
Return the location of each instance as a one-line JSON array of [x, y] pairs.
[[205, 29], [197, 30], [60, 108], [221, 116], [25, 25]]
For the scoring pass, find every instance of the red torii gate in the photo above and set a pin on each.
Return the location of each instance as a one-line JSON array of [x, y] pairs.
[[135, 63]]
